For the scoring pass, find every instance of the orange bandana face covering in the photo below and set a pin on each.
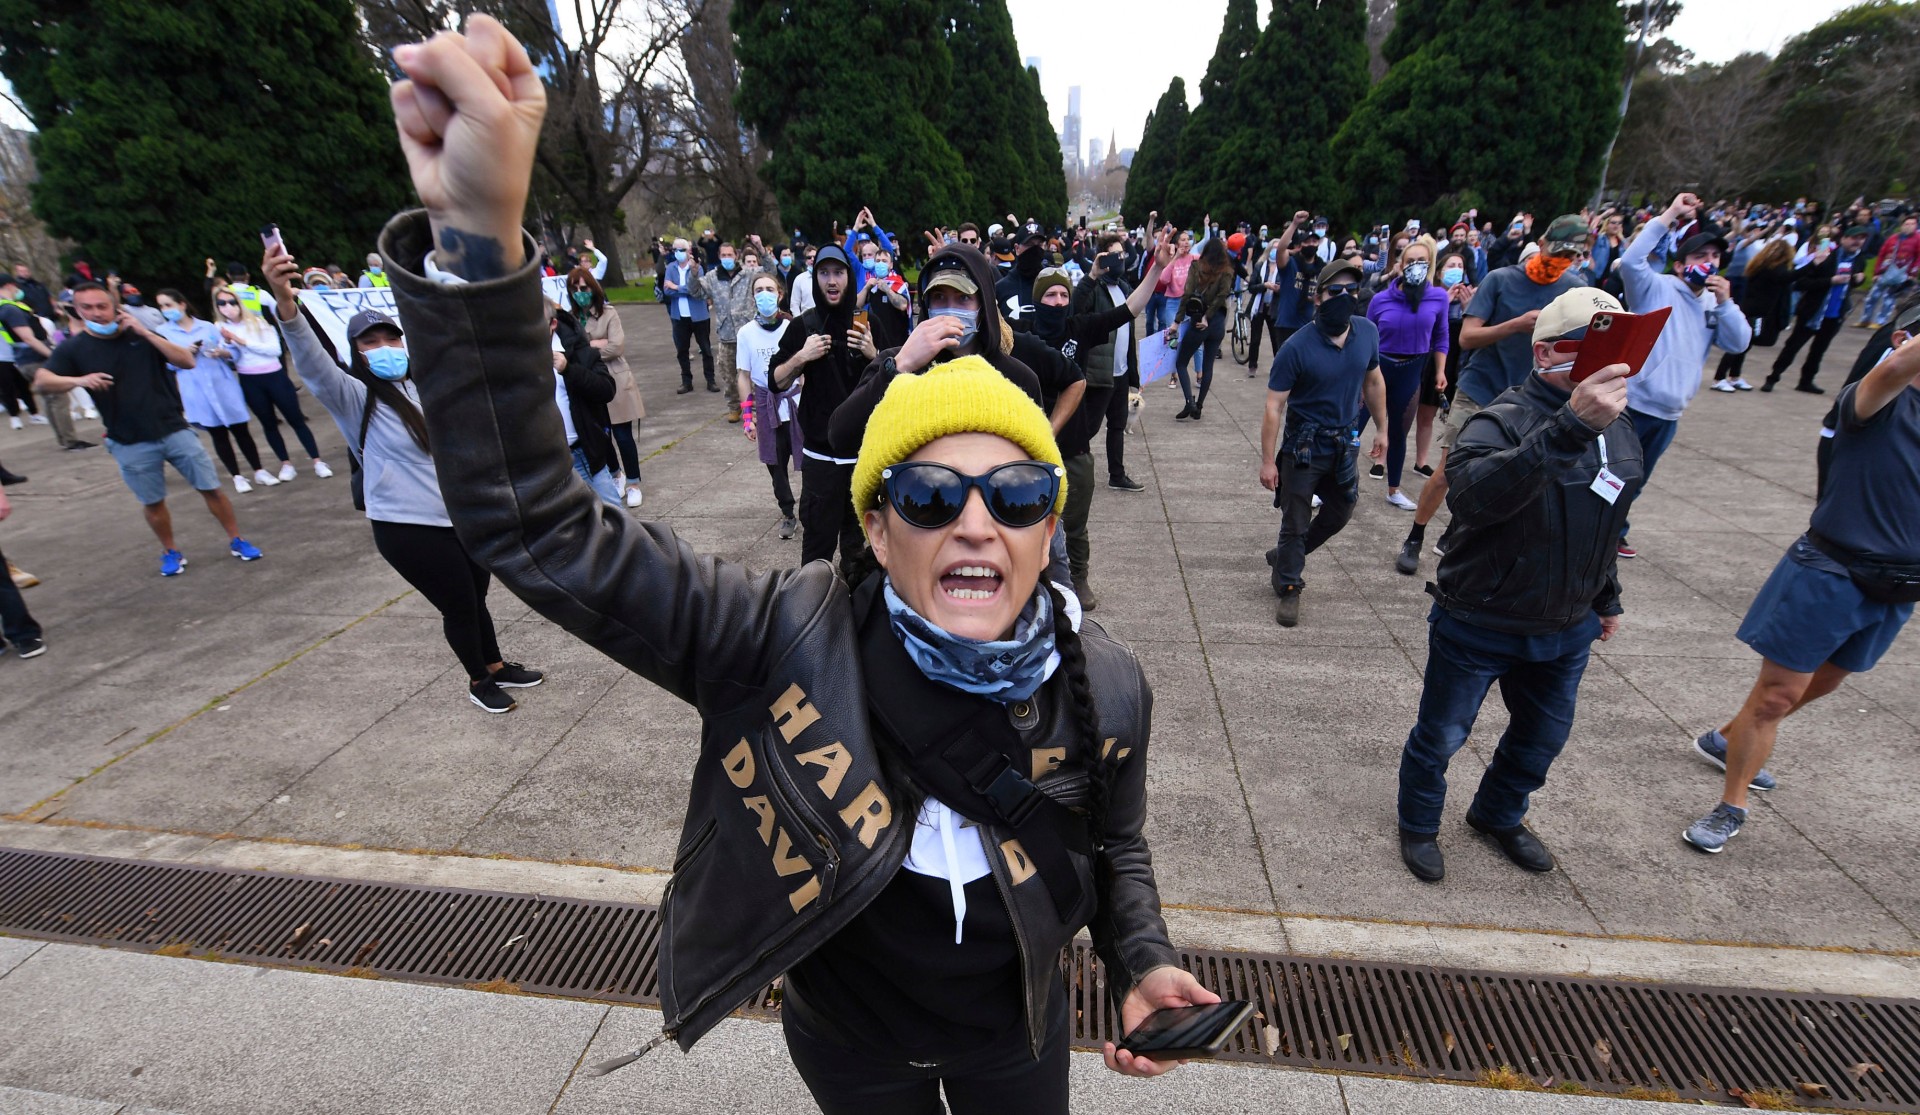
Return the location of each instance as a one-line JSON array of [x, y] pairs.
[[1543, 268]]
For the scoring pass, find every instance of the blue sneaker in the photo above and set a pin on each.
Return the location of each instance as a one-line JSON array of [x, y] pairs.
[[245, 550], [1711, 832], [1712, 746], [172, 562]]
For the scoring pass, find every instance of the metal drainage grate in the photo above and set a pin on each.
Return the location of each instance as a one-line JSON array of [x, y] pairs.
[[1704, 1043]]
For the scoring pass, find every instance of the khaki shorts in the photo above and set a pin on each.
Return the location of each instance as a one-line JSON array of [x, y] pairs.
[[1462, 409]]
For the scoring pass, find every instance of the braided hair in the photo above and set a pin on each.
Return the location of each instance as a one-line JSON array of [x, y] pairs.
[[1073, 665]]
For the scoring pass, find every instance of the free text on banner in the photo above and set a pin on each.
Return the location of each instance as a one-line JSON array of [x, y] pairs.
[[334, 308]]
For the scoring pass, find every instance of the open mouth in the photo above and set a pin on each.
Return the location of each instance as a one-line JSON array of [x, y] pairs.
[[971, 581]]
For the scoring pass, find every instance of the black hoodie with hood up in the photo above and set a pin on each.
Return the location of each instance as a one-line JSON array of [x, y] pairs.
[[990, 342], [832, 377]]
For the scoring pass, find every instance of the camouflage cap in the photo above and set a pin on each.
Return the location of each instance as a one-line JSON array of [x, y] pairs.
[[1567, 233]]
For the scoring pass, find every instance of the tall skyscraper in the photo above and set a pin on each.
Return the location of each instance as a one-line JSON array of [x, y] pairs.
[[1070, 135], [1096, 153]]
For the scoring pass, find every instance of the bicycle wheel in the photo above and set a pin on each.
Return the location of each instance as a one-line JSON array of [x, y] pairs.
[[1242, 329]]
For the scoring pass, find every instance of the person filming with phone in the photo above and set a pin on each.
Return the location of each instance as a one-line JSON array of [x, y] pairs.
[[1541, 480]]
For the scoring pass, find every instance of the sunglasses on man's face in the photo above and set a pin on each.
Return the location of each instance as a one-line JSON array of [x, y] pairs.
[[1341, 288], [930, 495]]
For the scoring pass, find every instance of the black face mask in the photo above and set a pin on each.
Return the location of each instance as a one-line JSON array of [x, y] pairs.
[[1113, 262], [1027, 265], [1050, 322], [1335, 314]]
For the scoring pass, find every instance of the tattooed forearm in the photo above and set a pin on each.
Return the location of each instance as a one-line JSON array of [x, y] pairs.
[[469, 255]]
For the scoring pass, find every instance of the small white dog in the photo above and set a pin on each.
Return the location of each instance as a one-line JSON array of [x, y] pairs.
[[1135, 404]]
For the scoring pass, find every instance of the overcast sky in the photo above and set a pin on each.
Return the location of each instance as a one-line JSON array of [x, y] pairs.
[[1116, 97]]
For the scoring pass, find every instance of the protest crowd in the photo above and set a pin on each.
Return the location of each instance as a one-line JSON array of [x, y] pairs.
[[929, 675]]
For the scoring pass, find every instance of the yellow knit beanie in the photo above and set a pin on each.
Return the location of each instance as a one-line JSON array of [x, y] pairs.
[[962, 396]]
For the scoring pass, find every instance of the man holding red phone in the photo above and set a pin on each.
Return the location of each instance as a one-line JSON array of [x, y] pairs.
[[1704, 314], [1541, 480]]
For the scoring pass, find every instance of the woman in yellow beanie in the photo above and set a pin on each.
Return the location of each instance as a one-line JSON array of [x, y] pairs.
[[910, 795]]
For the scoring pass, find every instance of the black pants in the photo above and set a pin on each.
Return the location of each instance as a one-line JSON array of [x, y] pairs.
[[1821, 336], [826, 512], [224, 438], [1279, 333], [15, 393], [629, 452], [16, 623], [847, 1081], [1730, 365], [270, 391], [1207, 343], [1107, 405], [432, 560], [685, 331], [782, 467], [1335, 479]]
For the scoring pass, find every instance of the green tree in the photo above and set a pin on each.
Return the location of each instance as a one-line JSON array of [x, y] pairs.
[[1515, 99], [1046, 175], [1191, 193], [1274, 158], [1849, 95], [845, 96], [171, 130], [1157, 157], [985, 117]]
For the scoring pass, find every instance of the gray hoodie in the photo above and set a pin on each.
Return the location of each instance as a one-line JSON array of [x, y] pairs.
[[401, 484], [1671, 377]]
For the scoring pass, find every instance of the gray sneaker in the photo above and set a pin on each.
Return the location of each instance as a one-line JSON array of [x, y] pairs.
[[1712, 746], [1711, 832]]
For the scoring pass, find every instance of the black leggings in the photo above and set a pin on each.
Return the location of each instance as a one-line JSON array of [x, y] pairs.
[[266, 391], [15, 392], [432, 560], [629, 452], [1403, 384], [1273, 329], [1207, 343], [848, 1081], [224, 438]]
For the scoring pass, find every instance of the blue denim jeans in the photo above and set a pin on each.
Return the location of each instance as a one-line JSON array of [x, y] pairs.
[[1539, 679], [1160, 311], [1656, 435], [602, 482]]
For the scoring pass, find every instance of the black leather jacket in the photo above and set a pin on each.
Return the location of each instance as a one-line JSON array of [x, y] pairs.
[[1532, 548], [793, 824], [590, 387]]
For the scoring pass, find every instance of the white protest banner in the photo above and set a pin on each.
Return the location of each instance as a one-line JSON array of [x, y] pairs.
[[334, 308], [1156, 357]]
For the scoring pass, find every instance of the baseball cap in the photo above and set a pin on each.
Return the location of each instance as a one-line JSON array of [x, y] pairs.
[[1567, 317], [1339, 267], [1856, 230], [367, 319], [947, 270], [1909, 321], [1567, 234], [1707, 237]]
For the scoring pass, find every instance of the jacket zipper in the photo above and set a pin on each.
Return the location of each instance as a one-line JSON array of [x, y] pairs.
[[789, 796], [996, 860]]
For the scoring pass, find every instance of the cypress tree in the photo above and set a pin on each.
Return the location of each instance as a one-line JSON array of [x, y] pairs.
[[1046, 174], [845, 97], [1533, 83], [1192, 193], [171, 130], [1157, 157], [989, 94], [1275, 159]]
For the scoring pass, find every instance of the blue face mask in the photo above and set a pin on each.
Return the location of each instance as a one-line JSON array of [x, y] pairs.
[[880, 269], [387, 362], [680, 255], [968, 318], [726, 264], [99, 330], [766, 303], [171, 315], [1452, 276], [786, 261]]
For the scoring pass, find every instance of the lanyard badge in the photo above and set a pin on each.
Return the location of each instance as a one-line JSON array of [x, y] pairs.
[[1606, 485]]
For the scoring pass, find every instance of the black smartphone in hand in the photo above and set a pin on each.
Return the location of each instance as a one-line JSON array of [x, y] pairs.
[[1178, 1033]]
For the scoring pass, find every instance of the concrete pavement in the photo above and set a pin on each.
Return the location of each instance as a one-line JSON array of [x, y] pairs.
[[308, 703]]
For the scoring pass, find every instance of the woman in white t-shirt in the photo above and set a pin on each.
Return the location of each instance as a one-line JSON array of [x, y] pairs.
[[769, 417]]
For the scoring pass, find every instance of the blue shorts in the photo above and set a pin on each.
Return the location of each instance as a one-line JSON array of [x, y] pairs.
[[1805, 617], [141, 465]]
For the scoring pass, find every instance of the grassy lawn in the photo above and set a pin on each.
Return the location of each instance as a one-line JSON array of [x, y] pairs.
[[641, 291]]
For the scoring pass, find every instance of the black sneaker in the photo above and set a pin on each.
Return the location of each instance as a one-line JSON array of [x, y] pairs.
[[1287, 612], [1424, 470], [490, 697], [1125, 483], [9, 479], [76, 445], [512, 675], [1409, 560], [30, 648], [788, 525], [1377, 472], [684, 389]]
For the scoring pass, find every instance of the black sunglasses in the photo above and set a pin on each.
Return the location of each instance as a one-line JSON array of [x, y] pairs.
[[930, 495], [1341, 288], [226, 302]]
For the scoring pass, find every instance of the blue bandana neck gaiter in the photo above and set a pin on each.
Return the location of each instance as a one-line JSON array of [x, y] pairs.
[[1009, 670]]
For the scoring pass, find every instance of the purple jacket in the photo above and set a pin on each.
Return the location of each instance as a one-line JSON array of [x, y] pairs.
[[1406, 330]]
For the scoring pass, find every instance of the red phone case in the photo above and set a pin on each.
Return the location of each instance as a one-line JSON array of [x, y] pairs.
[[1619, 338]]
